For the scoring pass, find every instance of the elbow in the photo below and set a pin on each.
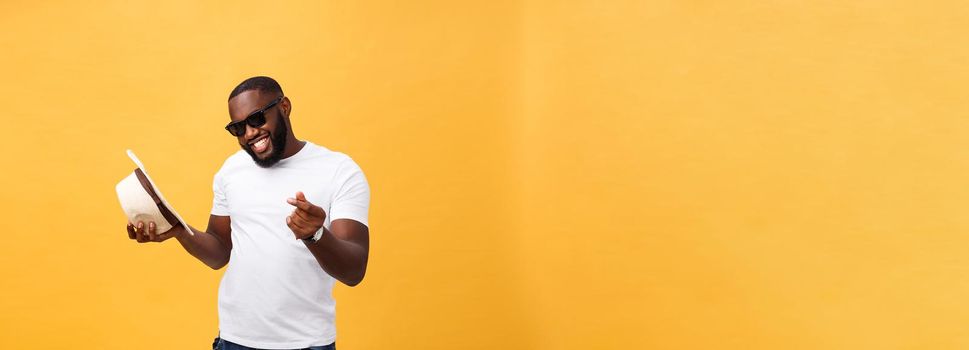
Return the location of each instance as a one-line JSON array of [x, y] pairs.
[[353, 277], [353, 281], [215, 265]]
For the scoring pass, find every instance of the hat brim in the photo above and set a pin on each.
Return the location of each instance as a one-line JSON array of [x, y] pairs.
[[157, 191]]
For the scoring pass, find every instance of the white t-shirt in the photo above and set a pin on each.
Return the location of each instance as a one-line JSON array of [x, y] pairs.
[[274, 295]]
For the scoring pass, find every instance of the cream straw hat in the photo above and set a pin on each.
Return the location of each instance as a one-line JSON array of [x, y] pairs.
[[142, 201]]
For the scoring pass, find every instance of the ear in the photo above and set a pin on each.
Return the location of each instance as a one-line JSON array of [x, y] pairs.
[[285, 106]]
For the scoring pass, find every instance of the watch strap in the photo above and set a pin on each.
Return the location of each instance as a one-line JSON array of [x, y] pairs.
[[316, 236]]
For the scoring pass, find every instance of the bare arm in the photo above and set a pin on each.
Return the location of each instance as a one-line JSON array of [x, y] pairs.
[[342, 251], [211, 246]]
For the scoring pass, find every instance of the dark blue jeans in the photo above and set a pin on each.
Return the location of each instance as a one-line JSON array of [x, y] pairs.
[[222, 344]]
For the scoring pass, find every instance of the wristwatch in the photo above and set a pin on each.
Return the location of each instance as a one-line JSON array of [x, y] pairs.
[[315, 237]]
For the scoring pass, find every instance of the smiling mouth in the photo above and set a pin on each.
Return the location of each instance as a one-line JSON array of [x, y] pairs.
[[260, 144]]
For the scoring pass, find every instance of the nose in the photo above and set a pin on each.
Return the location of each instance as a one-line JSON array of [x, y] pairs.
[[250, 132]]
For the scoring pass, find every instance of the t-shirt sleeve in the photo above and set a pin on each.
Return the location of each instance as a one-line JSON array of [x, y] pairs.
[[220, 206], [352, 198]]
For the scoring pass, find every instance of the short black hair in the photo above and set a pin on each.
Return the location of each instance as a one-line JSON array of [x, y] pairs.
[[261, 83]]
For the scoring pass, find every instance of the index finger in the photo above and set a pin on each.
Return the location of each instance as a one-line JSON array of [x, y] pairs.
[[306, 206]]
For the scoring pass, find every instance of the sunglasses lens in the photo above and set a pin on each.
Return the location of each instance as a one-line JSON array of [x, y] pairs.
[[256, 120], [239, 128], [236, 129]]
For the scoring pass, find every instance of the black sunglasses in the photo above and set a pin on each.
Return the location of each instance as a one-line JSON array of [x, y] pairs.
[[255, 119]]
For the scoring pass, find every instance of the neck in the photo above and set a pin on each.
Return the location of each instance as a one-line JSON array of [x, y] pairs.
[[292, 146]]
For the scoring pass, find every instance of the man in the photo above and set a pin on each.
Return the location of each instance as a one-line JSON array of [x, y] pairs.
[[291, 217]]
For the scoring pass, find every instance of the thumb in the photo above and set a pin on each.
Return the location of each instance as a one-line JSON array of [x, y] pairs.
[[300, 196]]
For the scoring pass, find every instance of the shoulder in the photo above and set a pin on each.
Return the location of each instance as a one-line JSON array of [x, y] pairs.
[[233, 162], [340, 164], [323, 155]]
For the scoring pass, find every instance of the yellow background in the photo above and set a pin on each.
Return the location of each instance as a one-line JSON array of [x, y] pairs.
[[545, 174]]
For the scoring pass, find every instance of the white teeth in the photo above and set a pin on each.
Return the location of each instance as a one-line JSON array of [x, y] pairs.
[[260, 145]]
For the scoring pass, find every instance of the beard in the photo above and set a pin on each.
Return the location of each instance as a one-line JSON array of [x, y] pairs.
[[278, 139]]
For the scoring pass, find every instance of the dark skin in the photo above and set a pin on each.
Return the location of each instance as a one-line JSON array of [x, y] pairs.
[[342, 251]]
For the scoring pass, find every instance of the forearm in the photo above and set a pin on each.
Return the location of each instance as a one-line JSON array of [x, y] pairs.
[[205, 246], [344, 260]]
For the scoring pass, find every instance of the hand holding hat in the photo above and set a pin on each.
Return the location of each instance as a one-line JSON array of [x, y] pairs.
[[150, 216], [142, 232]]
